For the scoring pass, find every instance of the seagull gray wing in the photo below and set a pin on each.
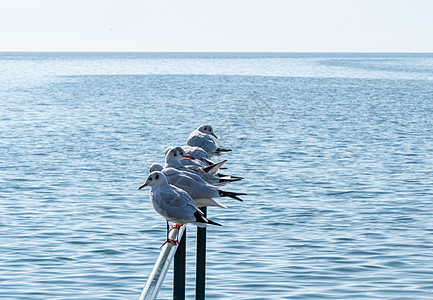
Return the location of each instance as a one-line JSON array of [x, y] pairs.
[[196, 152], [172, 173], [203, 141], [194, 185], [179, 206], [195, 164]]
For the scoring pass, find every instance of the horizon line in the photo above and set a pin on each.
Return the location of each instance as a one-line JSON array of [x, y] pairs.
[[133, 51]]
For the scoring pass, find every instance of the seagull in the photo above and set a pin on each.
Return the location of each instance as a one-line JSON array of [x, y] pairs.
[[195, 162], [174, 204], [200, 155], [196, 152], [201, 138], [201, 161], [175, 154], [200, 191], [192, 185]]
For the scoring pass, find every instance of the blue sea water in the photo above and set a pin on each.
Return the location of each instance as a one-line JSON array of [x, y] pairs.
[[336, 151]]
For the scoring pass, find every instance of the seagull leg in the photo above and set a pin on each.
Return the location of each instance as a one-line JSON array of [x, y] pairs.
[[177, 226], [169, 241], [168, 230], [176, 241]]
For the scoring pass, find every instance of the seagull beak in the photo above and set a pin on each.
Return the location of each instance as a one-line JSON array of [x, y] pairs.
[[214, 135], [142, 186], [189, 156]]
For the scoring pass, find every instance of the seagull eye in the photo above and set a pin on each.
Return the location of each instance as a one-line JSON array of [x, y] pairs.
[[156, 177], [150, 179], [174, 154]]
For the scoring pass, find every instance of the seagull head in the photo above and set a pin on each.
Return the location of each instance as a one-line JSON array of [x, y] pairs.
[[154, 178], [155, 167], [176, 154], [206, 129], [166, 150]]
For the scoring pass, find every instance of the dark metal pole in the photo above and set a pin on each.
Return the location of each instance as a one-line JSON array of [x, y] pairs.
[[200, 270], [179, 270]]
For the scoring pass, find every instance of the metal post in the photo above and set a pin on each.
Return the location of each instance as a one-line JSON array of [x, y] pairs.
[[153, 284], [179, 270], [200, 271]]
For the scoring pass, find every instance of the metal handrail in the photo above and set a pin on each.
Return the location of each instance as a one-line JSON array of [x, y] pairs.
[[154, 282], [178, 252]]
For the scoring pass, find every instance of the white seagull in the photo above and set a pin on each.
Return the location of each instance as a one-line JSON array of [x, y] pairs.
[[174, 204], [190, 184], [197, 153], [199, 190], [194, 161], [201, 138], [175, 154]]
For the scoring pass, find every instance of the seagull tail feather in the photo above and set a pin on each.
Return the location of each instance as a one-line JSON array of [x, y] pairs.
[[231, 195], [223, 149], [201, 219]]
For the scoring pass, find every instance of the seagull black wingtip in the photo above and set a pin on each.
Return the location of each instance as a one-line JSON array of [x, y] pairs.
[[231, 195]]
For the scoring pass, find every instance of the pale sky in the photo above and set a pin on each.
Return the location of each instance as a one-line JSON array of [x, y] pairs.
[[220, 25]]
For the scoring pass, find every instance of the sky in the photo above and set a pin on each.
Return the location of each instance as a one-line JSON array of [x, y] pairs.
[[220, 25]]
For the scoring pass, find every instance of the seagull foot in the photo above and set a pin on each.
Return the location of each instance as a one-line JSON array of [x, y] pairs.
[[175, 242], [175, 226]]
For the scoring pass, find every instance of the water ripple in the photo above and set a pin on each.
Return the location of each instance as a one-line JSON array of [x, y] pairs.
[[337, 160]]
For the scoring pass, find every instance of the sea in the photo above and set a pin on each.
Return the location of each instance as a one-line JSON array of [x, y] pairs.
[[336, 151]]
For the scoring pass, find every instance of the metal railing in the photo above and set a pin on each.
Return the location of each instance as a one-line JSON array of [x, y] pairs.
[[178, 252]]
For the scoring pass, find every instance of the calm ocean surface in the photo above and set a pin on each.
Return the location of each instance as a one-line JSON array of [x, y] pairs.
[[336, 151]]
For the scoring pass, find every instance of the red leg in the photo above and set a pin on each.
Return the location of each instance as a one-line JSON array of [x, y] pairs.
[[177, 226], [176, 241], [170, 241], [167, 230]]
